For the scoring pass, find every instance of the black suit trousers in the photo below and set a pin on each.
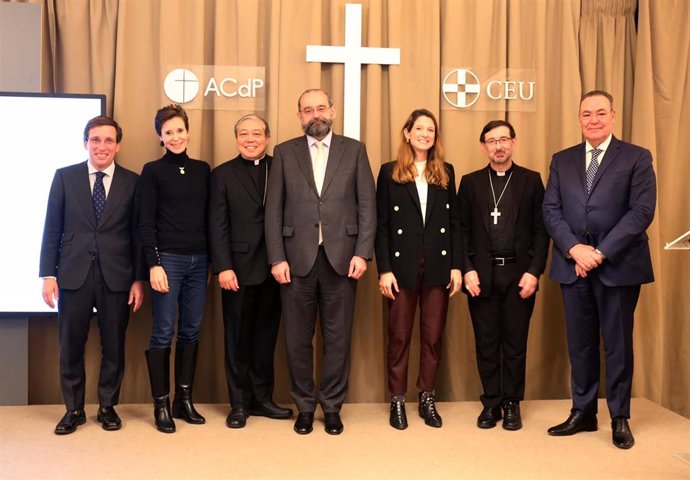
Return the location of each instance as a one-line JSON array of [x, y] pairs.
[[75, 309], [251, 317], [501, 325]]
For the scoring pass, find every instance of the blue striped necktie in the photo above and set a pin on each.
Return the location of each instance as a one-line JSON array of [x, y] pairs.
[[592, 169]]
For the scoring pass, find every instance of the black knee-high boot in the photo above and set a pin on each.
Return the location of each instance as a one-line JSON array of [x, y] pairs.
[[185, 365], [158, 361]]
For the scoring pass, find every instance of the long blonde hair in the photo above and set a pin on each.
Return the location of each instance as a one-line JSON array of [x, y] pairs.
[[404, 170]]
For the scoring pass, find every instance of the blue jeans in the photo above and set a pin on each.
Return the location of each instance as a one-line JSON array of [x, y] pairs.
[[187, 276]]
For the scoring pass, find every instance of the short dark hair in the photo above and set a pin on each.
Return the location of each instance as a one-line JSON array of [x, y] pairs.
[[309, 90], [267, 131], [102, 121], [495, 124], [166, 113], [598, 93]]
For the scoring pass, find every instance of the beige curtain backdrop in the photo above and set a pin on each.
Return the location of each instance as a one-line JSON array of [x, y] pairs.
[[120, 48]]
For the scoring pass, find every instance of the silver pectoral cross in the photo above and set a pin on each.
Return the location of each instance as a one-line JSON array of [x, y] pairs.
[[495, 214]]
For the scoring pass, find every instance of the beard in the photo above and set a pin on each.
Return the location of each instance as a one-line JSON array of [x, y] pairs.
[[317, 127]]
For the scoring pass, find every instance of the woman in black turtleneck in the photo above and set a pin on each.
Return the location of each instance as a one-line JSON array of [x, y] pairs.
[[173, 202]]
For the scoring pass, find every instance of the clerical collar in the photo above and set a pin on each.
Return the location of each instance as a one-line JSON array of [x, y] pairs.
[[496, 173], [257, 161]]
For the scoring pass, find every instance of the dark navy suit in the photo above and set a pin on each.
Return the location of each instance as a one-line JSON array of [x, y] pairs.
[[613, 218], [95, 265]]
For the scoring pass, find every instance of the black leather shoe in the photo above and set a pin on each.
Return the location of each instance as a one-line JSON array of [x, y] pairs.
[[620, 430], [237, 418], [70, 421], [511, 415], [398, 417], [489, 417], [271, 410], [108, 418], [577, 422], [334, 426], [304, 423], [427, 410]]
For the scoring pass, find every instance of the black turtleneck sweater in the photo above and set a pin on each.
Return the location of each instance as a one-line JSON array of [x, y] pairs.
[[172, 215]]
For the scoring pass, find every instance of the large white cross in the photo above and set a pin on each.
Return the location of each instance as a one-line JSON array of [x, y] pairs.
[[353, 55]]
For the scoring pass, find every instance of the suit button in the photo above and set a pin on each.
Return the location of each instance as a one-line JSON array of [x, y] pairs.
[[443, 252], [400, 231], [447, 206], [443, 230], [397, 254], [396, 208]]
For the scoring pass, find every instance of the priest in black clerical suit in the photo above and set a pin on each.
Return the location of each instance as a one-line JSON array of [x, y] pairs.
[[250, 295], [504, 252]]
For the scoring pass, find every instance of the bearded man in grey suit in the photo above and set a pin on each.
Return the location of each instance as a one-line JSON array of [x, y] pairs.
[[320, 228]]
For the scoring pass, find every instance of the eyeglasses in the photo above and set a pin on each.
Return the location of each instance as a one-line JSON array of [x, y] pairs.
[[503, 141], [109, 142], [321, 109]]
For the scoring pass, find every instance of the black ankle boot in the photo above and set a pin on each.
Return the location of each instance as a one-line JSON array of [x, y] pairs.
[[427, 410], [185, 365], [158, 361], [398, 417]]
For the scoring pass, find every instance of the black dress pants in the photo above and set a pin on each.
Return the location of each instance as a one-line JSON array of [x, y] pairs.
[[501, 324], [251, 317], [75, 309]]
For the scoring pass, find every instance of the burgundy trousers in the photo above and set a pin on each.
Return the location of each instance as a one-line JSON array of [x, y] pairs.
[[433, 309]]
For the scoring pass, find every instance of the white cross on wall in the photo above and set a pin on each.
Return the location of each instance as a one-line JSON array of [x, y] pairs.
[[353, 55]]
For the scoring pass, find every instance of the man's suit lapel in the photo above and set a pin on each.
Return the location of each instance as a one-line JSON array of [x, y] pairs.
[[610, 155], [577, 169], [518, 181], [301, 152], [82, 190], [244, 179], [335, 155], [115, 195], [484, 197]]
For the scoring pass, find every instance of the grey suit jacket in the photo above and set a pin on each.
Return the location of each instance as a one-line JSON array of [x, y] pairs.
[[346, 207], [71, 237]]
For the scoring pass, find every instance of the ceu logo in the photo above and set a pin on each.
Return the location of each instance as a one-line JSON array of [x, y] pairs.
[[461, 88], [181, 85]]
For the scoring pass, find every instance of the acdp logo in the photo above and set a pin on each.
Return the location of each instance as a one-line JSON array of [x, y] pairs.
[[461, 88], [181, 85]]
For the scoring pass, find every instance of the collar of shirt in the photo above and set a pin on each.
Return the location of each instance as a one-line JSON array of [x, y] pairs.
[[311, 141], [108, 171], [602, 146]]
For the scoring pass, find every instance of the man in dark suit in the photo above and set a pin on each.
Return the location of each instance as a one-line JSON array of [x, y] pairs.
[[250, 295], [599, 201], [89, 259], [505, 248], [320, 227]]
